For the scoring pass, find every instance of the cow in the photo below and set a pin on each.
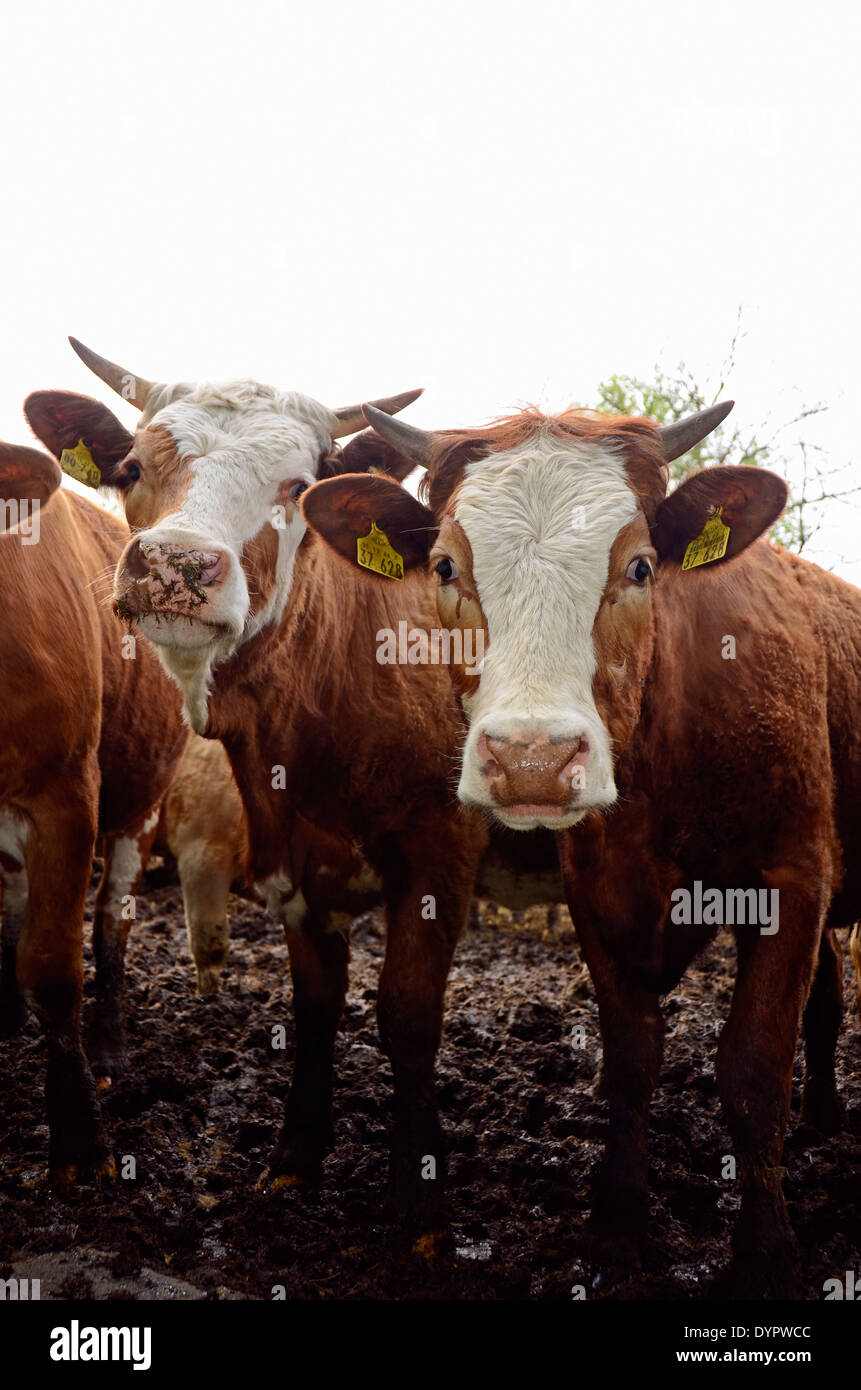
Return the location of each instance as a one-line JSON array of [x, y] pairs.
[[343, 762], [676, 698], [202, 824], [92, 738]]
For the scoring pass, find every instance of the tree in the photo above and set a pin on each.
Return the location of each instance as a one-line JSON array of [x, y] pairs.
[[671, 395]]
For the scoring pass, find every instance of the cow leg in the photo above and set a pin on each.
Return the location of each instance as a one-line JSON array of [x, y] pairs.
[[632, 1034], [754, 1073], [426, 913], [206, 880], [855, 952], [821, 1106], [125, 858], [13, 1010], [318, 964], [50, 976]]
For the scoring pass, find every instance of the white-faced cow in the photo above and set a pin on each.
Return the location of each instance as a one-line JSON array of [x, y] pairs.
[[273, 642], [92, 735], [677, 699]]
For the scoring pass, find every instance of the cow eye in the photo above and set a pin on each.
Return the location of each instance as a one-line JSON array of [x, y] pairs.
[[295, 490], [639, 570], [133, 472], [446, 569]]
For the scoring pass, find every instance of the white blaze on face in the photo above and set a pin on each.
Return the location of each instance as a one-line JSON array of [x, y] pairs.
[[242, 441], [541, 521]]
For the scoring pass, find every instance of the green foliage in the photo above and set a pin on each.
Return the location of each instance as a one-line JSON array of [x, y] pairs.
[[671, 395]]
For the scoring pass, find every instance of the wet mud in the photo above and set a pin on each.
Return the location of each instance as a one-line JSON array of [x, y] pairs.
[[200, 1108]]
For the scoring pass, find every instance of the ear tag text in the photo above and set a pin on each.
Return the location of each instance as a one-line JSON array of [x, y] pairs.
[[710, 544], [79, 464], [374, 552]]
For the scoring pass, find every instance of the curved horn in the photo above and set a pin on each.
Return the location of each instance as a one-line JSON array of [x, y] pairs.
[[350, 417], [132, 388], [685, 434], [409, 440]]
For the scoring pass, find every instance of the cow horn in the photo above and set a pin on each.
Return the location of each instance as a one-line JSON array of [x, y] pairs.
[[409, 440], [132, 388], [686, 434], [350, 418]]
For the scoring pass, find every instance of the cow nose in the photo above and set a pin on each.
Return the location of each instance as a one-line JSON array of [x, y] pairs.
[[161, 576], [538, 771], [189, 569]]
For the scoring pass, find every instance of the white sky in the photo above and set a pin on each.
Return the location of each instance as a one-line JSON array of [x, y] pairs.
[[500, 202]]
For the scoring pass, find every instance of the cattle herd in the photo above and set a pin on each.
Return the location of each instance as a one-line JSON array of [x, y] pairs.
[[665, 704]]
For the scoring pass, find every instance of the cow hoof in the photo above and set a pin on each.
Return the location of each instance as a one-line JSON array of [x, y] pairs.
[[413, 1215], [110, 1060], [611, 1271], [209, 980], [66, 1178], [433, 1246], [289, 1182], [822, 1109], [766, 1262], [298, 1157], [282, 1182], [106, 1172], [615, 1257]]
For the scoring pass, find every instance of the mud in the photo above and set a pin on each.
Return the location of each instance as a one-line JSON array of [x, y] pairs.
[[200, 1109]]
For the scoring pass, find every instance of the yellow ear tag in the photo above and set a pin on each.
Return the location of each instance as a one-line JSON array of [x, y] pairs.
[[709, 545], [375, 553], [78, 463]]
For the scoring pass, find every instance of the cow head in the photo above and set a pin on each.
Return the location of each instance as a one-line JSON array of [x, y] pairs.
[[210, 481], [550, 534]]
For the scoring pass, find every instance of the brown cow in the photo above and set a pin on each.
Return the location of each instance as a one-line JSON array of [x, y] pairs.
[[678, 699], [274, 643], [92, 737]]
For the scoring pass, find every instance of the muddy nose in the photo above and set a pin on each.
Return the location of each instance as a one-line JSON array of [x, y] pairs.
[[541, 771], [162, 577], [184, 569]]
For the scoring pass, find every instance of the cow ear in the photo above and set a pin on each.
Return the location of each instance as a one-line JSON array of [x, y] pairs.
[[356, 507], [368, 453], [64, 420], [716, 514], [26, 475]]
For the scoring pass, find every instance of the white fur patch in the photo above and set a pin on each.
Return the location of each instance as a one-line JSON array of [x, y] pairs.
[[14, 833], [541, 521], [125, 867], [275, 892], [242, 440]]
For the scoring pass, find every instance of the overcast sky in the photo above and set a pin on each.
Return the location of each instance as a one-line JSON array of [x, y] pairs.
[[502, 203]]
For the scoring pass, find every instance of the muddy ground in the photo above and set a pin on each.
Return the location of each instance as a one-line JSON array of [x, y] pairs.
[[200, 1109]]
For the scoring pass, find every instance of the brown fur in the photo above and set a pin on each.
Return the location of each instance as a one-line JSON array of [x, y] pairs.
[[368, 752], [728, 772], [73, 710], [738, 773]]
